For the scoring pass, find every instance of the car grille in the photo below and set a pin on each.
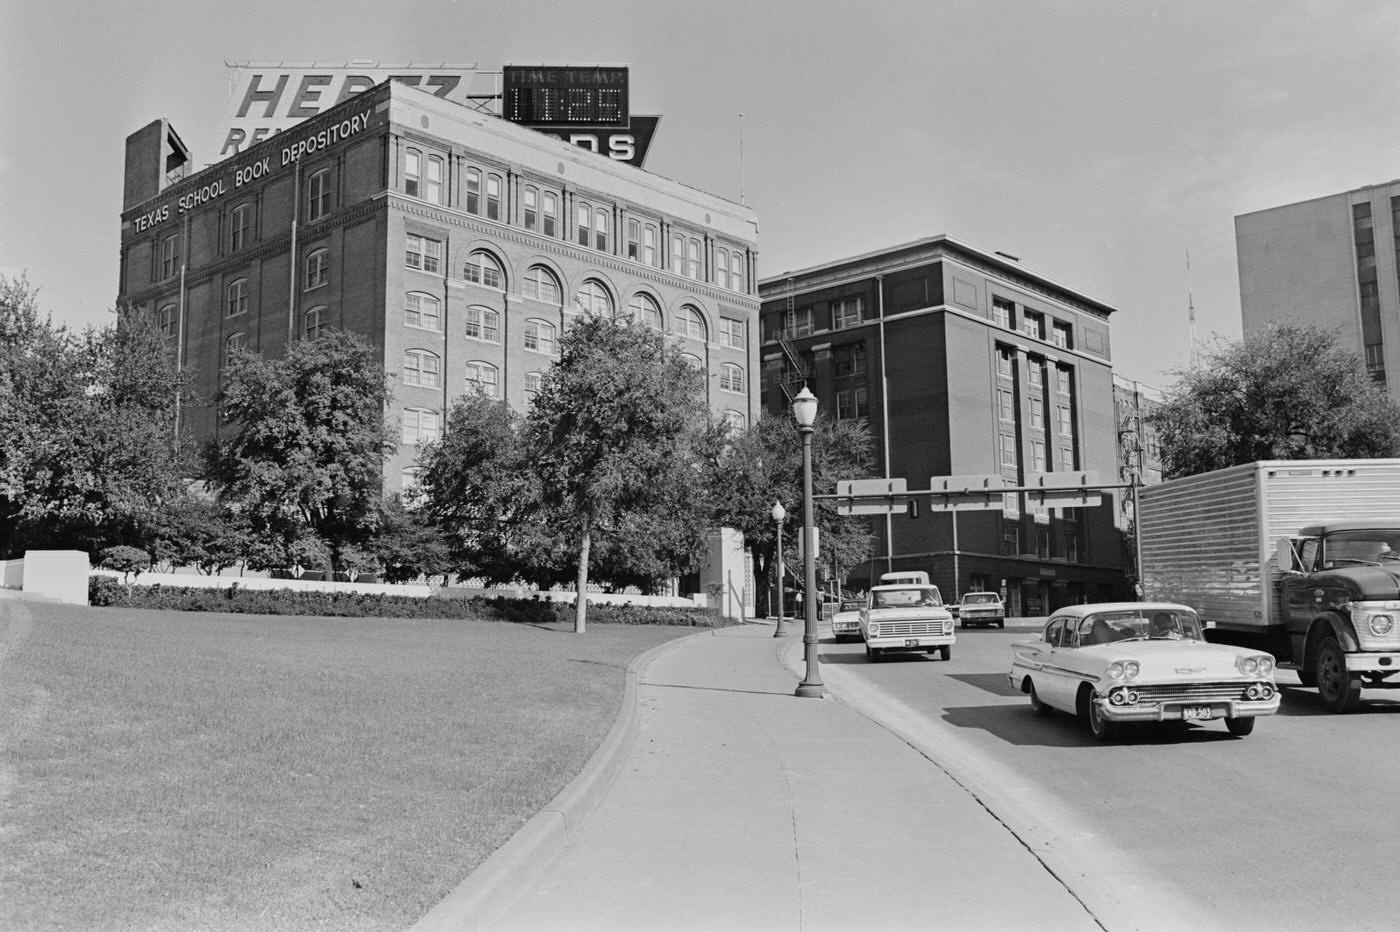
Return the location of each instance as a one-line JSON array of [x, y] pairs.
[[910, 628], [1190, 692]]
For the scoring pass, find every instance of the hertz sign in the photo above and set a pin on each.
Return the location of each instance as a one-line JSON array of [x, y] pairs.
[[584, 106]]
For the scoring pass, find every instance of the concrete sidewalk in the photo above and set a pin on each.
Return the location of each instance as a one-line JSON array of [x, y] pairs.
[[728, 803]]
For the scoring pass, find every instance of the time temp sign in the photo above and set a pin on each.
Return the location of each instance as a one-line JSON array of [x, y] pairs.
[[551, 95]]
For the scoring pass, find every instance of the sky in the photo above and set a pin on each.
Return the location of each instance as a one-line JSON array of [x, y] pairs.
[[1101, 141]]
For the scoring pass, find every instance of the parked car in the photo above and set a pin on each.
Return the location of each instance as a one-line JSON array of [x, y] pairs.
[[845, 624], [981, 608], [1120, 662], [907, 618]]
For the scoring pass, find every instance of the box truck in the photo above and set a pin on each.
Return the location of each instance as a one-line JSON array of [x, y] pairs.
[[1299, 558]]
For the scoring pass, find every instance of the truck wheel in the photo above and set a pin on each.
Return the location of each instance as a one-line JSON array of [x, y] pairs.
[[1037, 705], [1100, 727], [1239, 727], [945, 652], [871, 653], [1306, 677], [1340, 691]]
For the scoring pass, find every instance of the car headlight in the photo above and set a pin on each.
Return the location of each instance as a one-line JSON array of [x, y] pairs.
[[1266, 665], [1123, 669], [874, 630], [1249, 666], [1382, 625], [1255, 665]]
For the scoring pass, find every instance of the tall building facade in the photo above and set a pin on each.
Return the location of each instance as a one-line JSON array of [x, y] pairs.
[[1333, 261], [962, 363], [460, 245]]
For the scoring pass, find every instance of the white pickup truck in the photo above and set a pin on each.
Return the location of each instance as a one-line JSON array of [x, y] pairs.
[[906, 618]]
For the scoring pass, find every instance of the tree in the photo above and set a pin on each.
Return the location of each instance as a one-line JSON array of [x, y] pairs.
[[613, 437], [1289, 392], [303, 464], [197, 532], [749, 471], [89, 453], [409, 545]]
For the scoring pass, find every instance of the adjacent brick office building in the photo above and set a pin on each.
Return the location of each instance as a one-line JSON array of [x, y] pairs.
[[1333, 261], [459, 244], [963, 363]]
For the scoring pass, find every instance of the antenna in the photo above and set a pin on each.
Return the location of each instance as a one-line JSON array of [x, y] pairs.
[[1191, 313], [741, 161]]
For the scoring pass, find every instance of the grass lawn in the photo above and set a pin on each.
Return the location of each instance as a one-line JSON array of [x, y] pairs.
[[173, 770]]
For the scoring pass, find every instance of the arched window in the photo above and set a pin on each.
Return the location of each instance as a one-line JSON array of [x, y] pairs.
[[534, 381], [168, 319], [483, 324], [695, 362], [233, 344], [318, 194], [731, 378], [644, 310], [312, 322], [736, 419], [541, 285], [689, 323], [237, 297], [483, 269], [540, 336], [421, 368], [421, 425], [317, 268], [482, 377], [593, 299], [423, 311]]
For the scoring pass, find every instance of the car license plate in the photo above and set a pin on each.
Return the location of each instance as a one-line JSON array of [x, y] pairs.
[[1197, 712], [911, 642]]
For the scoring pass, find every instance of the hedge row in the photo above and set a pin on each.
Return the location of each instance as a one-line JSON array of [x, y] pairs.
[[106, 591]]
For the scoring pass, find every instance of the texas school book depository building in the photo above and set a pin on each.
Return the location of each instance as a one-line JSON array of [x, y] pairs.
[[458, 243]]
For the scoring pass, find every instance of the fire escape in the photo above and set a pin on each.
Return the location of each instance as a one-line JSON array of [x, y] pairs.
[[794, 373]]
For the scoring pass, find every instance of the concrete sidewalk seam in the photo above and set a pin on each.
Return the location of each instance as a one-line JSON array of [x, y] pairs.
[[489, 891]]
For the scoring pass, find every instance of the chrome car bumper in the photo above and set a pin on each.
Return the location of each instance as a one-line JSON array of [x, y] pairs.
[[1177, 709], [911, 641]]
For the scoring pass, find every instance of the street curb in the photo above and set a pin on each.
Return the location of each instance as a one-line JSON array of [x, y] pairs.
[[487, 892]]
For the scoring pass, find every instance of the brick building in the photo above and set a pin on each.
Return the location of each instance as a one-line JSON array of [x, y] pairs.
[[963, 363], [457, 243]]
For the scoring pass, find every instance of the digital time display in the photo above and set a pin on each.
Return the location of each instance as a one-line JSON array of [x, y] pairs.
[[551, 95]]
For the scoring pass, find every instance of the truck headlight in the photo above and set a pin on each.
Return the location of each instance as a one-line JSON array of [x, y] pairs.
[[1382, 625], [874, 630]]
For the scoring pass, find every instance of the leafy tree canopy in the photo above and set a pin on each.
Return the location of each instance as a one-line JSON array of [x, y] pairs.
[[303, 460], [89, 453], [1287, 393]]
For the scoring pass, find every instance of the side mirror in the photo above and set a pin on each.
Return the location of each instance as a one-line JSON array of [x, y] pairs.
[[1287, 556]]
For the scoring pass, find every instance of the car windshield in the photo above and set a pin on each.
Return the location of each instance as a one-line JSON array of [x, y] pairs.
[[1374, 546], [980, 598], [849, 606], [902, 598], [1146, 625]]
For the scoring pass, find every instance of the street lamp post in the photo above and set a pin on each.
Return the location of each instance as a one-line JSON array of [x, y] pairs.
[[804, 411], [779, 513]]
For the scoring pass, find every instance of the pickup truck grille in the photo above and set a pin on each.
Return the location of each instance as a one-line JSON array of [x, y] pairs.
[[911, 628], [1191, 692]]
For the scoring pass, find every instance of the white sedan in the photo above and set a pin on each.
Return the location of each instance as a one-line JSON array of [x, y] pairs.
[[1141, 662]]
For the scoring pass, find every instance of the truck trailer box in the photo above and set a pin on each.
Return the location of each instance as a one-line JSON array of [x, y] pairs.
[[1209, 540]]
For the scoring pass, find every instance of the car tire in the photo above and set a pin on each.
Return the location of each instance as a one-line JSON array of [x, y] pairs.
[[1239, 727], [945, 653], [1339, 691], [872, 654], [1038, 705], [1099, 726], [1001, 624]]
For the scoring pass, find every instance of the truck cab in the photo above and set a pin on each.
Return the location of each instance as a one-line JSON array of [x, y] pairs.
[[1339, 595], [906, 618]]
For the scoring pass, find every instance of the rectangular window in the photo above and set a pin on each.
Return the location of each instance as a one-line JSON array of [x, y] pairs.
[[1062, 377], [584, 217], [532, 208], [1059, 335], [1066, 423], [797, 322], [1032, 325], [318, 194], [412, 172], [1011, 540], [731, 333], [551, 214], [1035, 372], [432, 183], [852, 404], [678, 254], [1001, 312], [1037, 414], [692, 263], [1038, 456], [421, 426], [1071, 546], [846, 313], [1042, 543], [169, 258], [493, 197], [649, 245], [423, 253], [600, 229], [239, 226], [850, 359], [1006, 405], [736, 270], [237, 298], [1004, 363], [722, 268], [634, 240], [1008, 450], [473, 190]]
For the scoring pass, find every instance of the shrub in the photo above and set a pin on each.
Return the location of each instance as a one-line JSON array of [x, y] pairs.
[[105, 591]]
